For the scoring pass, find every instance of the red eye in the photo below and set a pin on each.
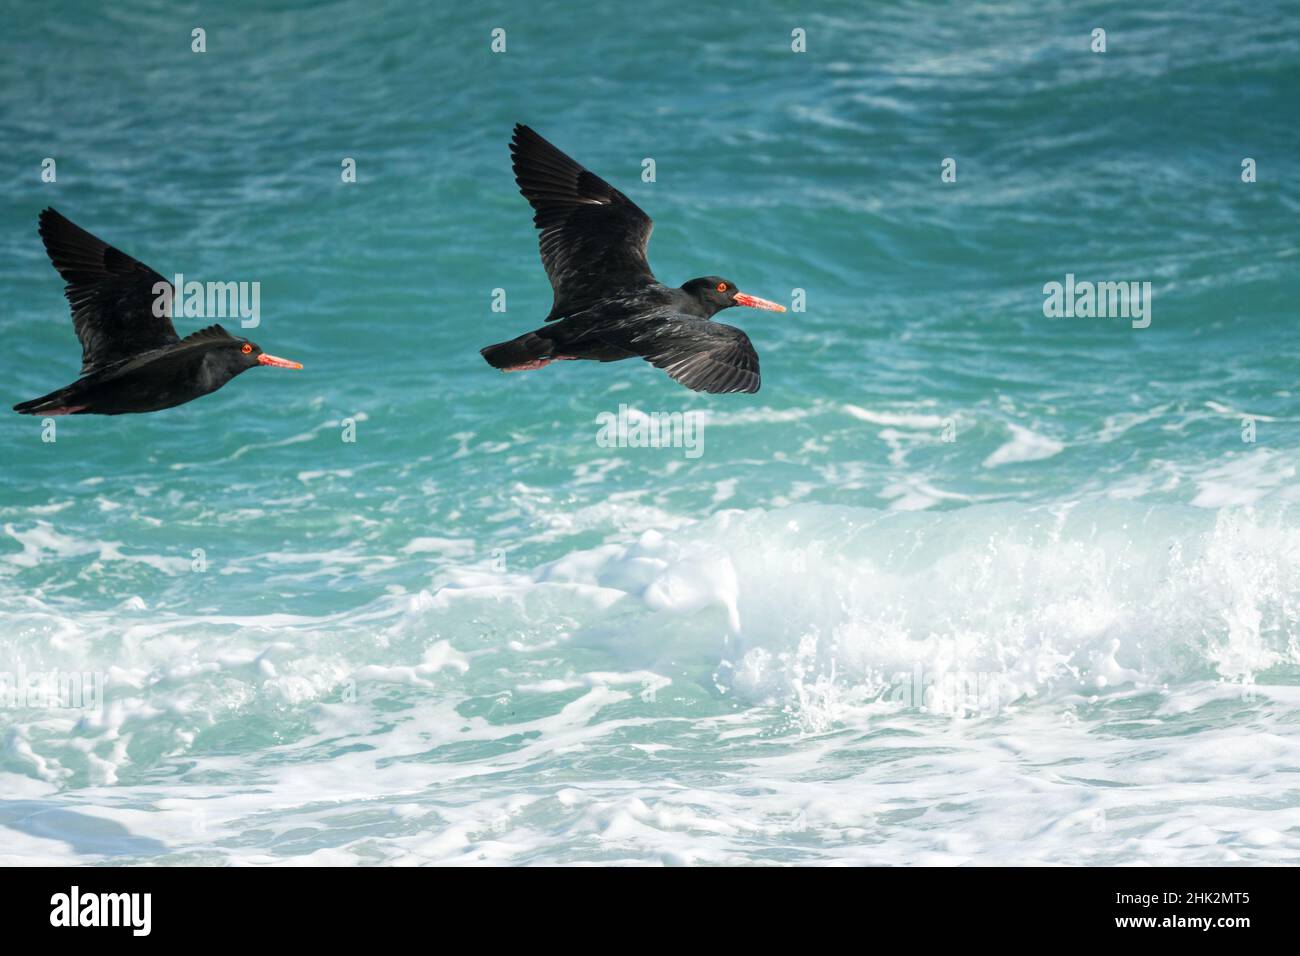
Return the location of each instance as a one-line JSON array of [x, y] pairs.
[[246, 348], [722, 287]]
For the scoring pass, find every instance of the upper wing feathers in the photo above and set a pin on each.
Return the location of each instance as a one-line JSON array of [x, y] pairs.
[[112, 295], [593, 238]]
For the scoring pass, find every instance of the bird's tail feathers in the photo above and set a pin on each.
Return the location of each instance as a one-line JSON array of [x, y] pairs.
[[46, 404], [529, 347]]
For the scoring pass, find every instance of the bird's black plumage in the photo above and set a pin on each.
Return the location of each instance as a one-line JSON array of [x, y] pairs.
[[593, 238], [608, 305], [132, 360], [111, 294]]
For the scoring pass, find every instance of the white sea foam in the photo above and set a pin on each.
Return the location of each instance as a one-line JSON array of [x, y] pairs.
[[40, 541], [896, 419], [1244, 479], [453, 547], [952, 664], [1024, 445]]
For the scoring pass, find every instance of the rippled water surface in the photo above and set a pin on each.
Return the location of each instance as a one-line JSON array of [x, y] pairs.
[[960, 584]]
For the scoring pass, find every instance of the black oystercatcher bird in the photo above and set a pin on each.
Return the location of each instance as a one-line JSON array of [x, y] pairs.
[[132, 360], [608, 304]]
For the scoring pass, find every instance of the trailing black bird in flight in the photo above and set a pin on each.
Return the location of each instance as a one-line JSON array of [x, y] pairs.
[[132, 360]]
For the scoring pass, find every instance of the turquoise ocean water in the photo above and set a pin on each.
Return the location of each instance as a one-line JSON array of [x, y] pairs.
[[961, 583]]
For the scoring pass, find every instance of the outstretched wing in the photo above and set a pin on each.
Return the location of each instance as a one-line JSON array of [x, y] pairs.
[[112, 295], [593, 239], [704, 356]]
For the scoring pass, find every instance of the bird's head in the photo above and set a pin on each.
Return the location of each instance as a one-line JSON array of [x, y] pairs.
[[229, 355], [714, 293], [249, 354]]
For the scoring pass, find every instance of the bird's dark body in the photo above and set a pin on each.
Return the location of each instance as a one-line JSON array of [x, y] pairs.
[[132, 360], [601, 331], [158, 379], [608, 305]]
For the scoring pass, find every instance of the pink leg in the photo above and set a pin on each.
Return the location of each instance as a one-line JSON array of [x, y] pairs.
[[539, 363], [62, 410]]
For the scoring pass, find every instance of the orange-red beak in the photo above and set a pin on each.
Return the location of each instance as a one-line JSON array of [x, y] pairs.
[[754, 302], [277, 362]]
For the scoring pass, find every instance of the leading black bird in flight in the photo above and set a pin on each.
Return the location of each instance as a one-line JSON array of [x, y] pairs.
[[132, 360], [608, 304]]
